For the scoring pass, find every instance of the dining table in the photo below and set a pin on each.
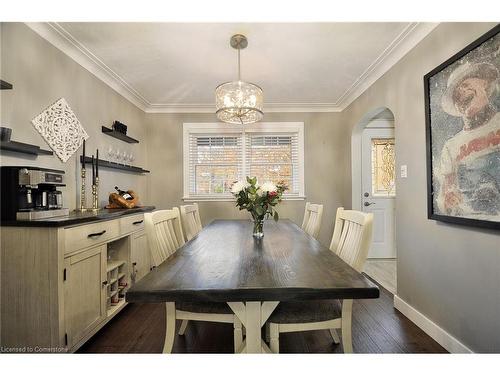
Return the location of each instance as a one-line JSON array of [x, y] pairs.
[[225, 263]]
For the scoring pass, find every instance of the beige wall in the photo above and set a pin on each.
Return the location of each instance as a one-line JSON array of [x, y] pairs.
[[41, 74], [449, 273], [326, 166]]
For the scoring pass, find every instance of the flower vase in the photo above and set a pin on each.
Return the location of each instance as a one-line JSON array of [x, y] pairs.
[[258, 225]]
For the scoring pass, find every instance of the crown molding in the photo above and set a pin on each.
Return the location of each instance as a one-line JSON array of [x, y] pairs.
[[64, 41], [400, 46], [268, 108]]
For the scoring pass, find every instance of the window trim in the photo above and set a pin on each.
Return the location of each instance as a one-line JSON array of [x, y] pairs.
[[223, 128]]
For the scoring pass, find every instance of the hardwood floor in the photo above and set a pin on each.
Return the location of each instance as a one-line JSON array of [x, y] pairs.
[[383, 271], [377, 328]]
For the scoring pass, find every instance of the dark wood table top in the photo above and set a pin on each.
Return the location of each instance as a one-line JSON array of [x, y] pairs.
[[225, 263]]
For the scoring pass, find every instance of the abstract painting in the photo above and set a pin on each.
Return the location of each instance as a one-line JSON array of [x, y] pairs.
[[61, 129], [462, 100]]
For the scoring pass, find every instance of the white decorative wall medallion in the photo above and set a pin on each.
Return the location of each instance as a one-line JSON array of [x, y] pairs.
[[60, 128]]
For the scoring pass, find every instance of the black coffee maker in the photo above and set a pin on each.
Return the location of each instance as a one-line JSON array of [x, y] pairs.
[[30, 193]]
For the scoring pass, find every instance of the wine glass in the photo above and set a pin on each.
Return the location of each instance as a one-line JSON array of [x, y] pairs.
[[118, 155], [110, 153]]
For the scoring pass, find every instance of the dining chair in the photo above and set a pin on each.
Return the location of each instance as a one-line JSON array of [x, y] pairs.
[[312, 218], [351, 241], [190, 215], [164, 234]]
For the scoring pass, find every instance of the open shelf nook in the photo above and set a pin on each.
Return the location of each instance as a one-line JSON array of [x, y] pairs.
[[117, 271]]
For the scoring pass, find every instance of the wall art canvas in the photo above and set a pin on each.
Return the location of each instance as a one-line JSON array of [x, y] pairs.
[[462, 98], [61, 129]]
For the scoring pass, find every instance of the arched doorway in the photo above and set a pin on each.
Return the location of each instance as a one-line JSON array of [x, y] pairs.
[[374, 189]]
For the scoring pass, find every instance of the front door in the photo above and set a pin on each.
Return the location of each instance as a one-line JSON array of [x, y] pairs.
[[379, 189]]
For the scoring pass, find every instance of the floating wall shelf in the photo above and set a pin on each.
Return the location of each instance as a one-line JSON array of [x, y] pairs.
[[5, 85], [118, 135], [23, 148], [112, 165]]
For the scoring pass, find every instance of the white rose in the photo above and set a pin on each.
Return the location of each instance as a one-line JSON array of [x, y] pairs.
[[238, 186], [268, 187]]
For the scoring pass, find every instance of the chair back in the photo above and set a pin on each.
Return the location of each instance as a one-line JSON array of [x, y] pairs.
[[312, 218], [191, 221], [164, 233], [352, 237]]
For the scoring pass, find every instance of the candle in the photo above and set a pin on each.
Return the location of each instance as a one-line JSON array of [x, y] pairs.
[[83, 157], [93, 171], [97, 164]]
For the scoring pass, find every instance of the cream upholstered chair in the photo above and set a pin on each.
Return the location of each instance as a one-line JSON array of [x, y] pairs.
[[164, 233], [351, 241], [312, 218], [191, 221]]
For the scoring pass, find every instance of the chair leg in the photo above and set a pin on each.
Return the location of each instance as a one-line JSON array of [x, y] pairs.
[[346, 325], [183, 327], [238, 334], [274, 337], [335, 336], [268, 333], [169, 327]]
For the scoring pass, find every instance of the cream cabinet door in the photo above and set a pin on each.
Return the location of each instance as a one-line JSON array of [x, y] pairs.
[[139, 255], [84, 292]]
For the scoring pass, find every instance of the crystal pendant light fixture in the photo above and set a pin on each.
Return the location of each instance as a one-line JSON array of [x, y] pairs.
[[239, 102]]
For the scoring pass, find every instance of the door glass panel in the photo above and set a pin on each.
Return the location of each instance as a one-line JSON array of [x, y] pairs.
[[383, 167]]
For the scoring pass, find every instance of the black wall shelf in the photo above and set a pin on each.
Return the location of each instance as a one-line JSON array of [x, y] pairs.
[[23, 148], [118, 135], [5, 85], [112, 165]]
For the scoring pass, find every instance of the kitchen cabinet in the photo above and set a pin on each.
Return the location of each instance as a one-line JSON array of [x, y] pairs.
[[141, 260], [84, 292], [60, 285]]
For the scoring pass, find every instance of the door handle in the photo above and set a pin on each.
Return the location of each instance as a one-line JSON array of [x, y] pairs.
[[368, 203], [96, 234], [138, 222]]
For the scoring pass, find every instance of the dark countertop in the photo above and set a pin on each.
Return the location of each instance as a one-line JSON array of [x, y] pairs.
[[78, 218]]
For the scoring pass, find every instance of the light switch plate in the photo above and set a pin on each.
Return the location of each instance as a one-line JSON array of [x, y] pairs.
[[404, 171]]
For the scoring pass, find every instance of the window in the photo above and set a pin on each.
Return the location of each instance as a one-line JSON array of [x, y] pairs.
[[383, 168], [216, 155]]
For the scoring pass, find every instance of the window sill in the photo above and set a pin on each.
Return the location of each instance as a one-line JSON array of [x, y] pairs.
[[231, 199]]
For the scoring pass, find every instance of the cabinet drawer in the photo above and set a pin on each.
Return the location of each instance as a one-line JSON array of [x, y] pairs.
[[90, 234], [131, 223]]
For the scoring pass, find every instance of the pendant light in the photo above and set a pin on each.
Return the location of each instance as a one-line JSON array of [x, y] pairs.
[[239, 102]]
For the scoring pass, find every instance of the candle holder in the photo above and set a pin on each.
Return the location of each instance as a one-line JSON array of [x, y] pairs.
[[95, 195], [83, 193]]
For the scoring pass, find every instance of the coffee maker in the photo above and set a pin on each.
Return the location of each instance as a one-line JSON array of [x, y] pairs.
[[30, 193]]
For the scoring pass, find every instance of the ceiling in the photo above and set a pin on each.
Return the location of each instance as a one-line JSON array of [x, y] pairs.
[[169, 67]]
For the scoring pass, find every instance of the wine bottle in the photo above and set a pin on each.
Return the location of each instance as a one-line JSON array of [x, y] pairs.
[[124, 194]]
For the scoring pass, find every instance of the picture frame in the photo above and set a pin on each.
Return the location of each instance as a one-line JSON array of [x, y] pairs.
[[462, 119]]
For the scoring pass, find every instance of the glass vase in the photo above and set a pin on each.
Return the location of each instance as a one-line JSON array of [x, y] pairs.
[[258, 227]]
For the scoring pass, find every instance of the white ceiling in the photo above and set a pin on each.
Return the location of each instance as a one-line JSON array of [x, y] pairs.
[[164, 66]]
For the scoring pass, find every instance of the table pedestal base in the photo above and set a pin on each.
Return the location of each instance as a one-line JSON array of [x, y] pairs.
[[253, 315]]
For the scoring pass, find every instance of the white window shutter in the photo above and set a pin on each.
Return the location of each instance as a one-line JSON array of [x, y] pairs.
[[216, 155], [274, 157], [215, 162]]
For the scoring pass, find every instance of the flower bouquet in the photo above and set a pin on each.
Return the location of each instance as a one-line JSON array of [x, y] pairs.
[[259, 200]]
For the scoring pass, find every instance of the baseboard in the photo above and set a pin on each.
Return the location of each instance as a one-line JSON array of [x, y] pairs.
[[442, 337]]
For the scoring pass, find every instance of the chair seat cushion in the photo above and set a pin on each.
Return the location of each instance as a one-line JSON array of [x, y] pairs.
[[204, 307], [306, 311]]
